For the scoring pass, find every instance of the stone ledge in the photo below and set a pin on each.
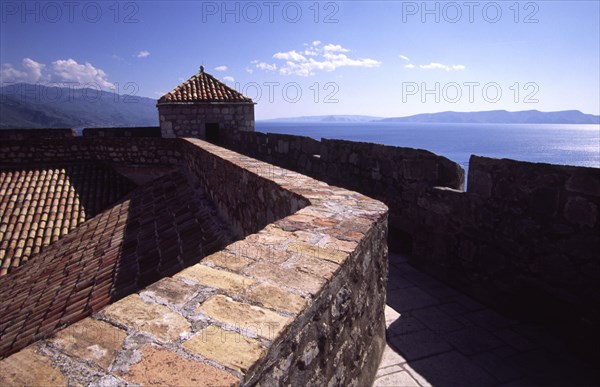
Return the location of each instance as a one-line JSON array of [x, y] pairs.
[[285, 304]]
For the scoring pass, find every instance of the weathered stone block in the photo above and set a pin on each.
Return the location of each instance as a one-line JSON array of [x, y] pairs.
[[266, 250], [480, 183], [228, 348], [329, 253], [315, 266], [91, 340], [420, 169], [286, 277], [169, 290], [216, 278], [274, 297], [283, 146], [162, 367], [154, 319], [581, 211], [545, 201], [233, 262], [584, 184], [251, 320], [28, 368]]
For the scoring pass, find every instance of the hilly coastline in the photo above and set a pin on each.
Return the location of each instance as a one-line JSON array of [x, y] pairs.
[[484, 117], [39, 106]]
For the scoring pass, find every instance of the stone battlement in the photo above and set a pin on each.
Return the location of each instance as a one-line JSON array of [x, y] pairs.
[[523, 236], [26, 134], [148, 131], [278, 305]]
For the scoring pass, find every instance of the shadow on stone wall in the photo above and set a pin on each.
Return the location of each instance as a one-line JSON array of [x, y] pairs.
[[153, 232], [523, 237]]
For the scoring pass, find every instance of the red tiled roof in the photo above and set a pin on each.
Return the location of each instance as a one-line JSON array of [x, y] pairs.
[[155, 231], [39, 205], [203, 87]]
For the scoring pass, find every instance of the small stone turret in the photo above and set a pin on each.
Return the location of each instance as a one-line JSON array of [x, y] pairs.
[[204, 107]]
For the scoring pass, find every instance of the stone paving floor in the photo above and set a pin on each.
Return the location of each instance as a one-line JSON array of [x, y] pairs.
[[437, 336]]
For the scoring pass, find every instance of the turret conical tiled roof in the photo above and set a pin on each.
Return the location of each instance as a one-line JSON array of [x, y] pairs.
[[203, 87]]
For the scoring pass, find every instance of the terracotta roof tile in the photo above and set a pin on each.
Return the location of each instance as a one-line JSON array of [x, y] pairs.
[[40, 205], [155, 231], [203, 87]]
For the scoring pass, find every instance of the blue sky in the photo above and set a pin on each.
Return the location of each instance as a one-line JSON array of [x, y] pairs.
[[381, 58]]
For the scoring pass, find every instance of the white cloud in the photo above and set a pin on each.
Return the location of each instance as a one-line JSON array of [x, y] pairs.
[[290, 55], [335, 48], [31, 73], [143, 54], [249, 70], [266, 66], [404, 57], [439, 66], [409, 66], [34, 68], [340, 60], [221, 68], [316, 58], [68, 70], [59, 71], [434, 65], [229, 79], [331, 63]]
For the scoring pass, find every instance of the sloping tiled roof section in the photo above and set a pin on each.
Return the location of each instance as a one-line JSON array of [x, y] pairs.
[[203, 87], [155, 231], [40, 205]]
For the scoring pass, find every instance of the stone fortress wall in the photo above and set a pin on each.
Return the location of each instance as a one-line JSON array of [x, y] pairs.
[[140, 131], [523, 237], [283, 304], [521, 234], [33, 134]]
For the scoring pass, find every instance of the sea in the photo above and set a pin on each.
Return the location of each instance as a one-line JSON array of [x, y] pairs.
[[563, 144]]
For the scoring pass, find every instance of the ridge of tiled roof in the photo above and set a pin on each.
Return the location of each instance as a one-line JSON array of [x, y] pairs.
[[155, 231], [203, 87], [41, 204]]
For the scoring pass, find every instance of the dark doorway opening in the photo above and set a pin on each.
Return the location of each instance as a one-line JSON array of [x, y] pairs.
[[212, 133]]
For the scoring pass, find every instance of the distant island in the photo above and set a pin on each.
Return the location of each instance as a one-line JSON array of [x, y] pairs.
[[331, 118], [37, 106], [484, 117]]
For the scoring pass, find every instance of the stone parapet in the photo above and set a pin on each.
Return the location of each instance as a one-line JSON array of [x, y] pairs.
[[35, 134], [149, 131], [124, 151], [523, 237], [298, 300]]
